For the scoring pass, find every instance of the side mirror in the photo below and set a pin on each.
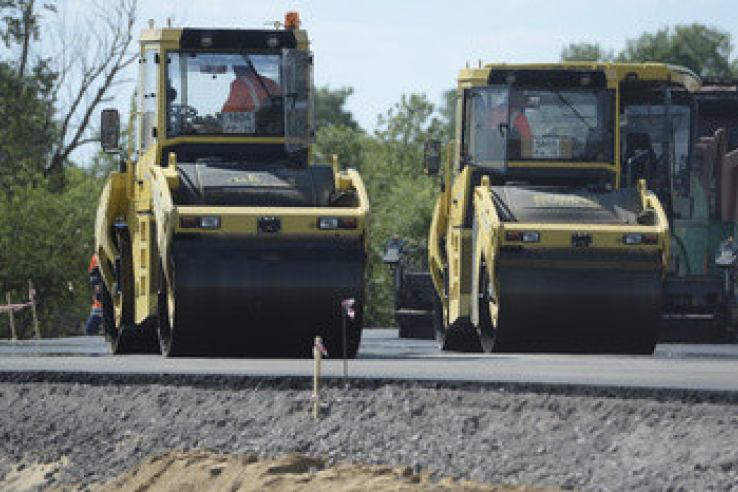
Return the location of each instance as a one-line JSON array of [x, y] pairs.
[[392, 251], [110, 130], [432, 157]]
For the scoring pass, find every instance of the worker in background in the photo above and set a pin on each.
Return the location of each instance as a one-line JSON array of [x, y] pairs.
[[249, 90], [94, 320]]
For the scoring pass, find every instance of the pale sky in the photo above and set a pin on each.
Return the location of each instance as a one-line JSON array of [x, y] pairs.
[[385, 48]]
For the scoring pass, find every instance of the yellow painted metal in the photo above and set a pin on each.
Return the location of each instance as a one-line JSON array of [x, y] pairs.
[[458, 249], [113, 202], [559, 165], [615, 72], [294, 221], [142, 199]]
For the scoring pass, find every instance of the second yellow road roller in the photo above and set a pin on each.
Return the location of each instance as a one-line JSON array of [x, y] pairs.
[[549, 234]]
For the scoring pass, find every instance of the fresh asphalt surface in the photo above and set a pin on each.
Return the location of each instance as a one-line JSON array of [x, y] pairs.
[[383, 355]]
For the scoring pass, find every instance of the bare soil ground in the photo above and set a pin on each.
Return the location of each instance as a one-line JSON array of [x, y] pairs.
[[205, 470]]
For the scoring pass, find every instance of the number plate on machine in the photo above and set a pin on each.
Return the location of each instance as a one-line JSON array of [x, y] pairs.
[[547, 147], [239, 122]]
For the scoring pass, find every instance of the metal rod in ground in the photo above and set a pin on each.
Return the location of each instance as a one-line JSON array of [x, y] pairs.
[[345, 354], [318, 355], [13, 333], [32, 298]]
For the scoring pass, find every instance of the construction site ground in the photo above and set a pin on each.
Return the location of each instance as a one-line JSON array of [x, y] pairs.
[[87, 431]]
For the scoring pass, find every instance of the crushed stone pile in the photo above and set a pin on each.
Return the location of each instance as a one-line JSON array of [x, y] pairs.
[[86, 430]]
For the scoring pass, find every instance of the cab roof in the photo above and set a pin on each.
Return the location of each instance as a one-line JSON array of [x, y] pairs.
[[615, 72], [225, 39]]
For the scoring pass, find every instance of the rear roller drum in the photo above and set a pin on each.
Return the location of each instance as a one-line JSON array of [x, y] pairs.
[[171, 343]]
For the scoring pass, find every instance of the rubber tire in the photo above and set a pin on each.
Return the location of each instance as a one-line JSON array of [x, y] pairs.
[[487, 332], [462, 337], [438, 325], [164, 327], [123, 340]]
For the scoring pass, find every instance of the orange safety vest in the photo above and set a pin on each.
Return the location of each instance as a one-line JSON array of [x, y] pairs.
[[96, 304], [520, 123], [247, 93], [518, 120], [93, 263]]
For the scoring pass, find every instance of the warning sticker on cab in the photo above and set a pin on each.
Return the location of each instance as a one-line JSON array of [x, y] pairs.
[[239, 122], [546, 147]]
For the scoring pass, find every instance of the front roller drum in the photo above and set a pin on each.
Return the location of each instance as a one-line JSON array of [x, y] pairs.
[[575, 311], [258, 298]]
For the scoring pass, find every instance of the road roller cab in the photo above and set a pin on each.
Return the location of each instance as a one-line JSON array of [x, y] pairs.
[[219, 234], [549, 234]]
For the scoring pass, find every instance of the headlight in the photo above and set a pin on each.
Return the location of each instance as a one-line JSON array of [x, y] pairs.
[[328, 223], [523, 236], [197, 222], [210, 222], [637, 239], [333, 223]]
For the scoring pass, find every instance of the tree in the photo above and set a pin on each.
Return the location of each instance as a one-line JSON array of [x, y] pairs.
[[401, 197], [25, 134], [46, 230], [447, 113], [46, 236], [704, 50], [89, 68], [22, 25], [83, 71], [330, 108], [403, 130], [586, 52]]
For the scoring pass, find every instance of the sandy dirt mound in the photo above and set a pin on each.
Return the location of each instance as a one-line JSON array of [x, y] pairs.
[[201, 470], [33, 476]]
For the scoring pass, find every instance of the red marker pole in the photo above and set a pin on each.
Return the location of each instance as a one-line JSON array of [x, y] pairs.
[[345, 355]]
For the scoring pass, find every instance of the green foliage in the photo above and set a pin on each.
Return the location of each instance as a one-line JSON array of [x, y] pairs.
[[401, 196], [46, 236], [329, 108], [586, 52], [447, 112], [25, 134], [343, 141], [704, 50], [20, 21], [46, 223]]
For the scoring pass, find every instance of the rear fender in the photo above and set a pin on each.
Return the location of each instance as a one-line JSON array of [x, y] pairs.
[[485, 236], [350, 179], [112, 204], [165, 215], [436, 256], [651, 202]]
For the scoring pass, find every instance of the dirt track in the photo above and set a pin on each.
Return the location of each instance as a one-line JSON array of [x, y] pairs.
[[92, 432]]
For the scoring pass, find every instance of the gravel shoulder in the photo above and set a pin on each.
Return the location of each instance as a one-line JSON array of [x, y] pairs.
[[85, 429]]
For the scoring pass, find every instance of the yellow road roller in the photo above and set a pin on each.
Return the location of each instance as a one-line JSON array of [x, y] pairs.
[[549, 234], [219, 235]]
